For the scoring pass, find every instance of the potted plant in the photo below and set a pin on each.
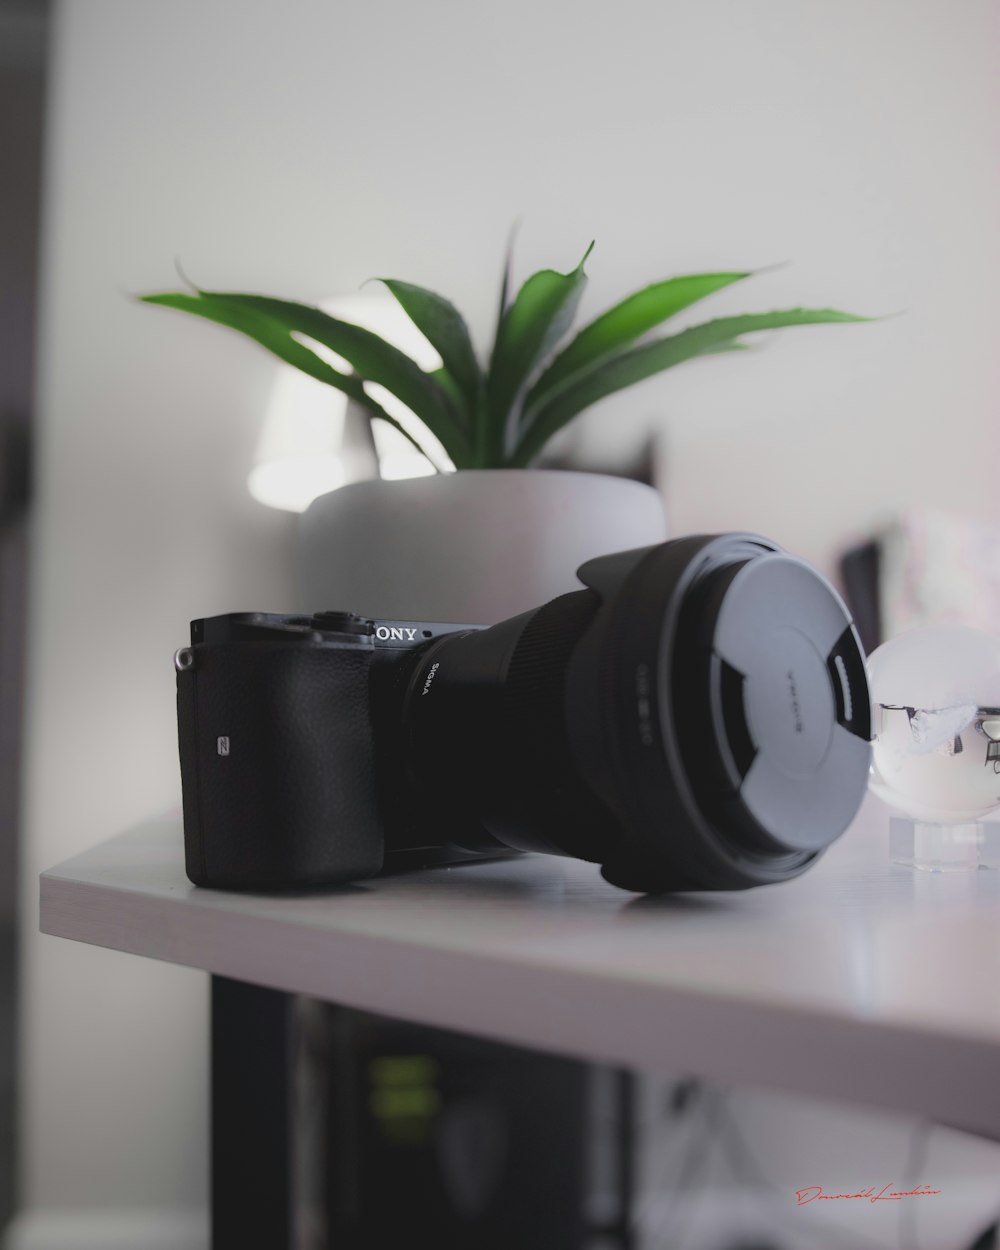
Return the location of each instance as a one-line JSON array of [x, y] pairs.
[[495, 536]]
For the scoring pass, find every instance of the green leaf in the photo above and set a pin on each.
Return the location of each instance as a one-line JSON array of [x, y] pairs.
[[540, 315], [447, 383], [731, 345], [444, 328], [487, 455], [623, 324], [374, 359], [508, 273], [371, 356], [273, 336], [633, 366]]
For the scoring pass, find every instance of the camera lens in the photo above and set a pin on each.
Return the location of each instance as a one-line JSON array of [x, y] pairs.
[[697, 717]]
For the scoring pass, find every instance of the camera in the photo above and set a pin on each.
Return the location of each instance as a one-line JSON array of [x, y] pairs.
[[695, 717]]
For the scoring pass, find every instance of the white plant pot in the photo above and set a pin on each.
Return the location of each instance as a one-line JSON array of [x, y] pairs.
[[474, 546]]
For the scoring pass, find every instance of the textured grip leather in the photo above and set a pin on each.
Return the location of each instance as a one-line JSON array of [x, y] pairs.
[[289, 799]]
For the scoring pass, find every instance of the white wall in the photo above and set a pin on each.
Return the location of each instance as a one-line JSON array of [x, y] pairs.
[[300, 148]]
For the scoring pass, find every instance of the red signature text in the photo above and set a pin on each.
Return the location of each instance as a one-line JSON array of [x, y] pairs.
[[885, 1194]]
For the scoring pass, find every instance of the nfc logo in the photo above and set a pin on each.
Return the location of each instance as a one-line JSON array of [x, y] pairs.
[[223, 745]]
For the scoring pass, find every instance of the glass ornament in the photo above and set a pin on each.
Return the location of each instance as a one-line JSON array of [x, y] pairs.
[[936, 751]]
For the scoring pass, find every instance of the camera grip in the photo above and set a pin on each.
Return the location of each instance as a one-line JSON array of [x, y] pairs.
[[277, 766]]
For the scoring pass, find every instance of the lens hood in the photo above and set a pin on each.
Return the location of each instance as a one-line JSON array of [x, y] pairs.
[[718, 706]]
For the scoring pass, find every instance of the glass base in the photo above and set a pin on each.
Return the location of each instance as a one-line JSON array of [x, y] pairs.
[[944, 848]]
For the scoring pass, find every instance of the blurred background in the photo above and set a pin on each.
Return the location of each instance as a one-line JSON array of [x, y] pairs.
[[300, 148]]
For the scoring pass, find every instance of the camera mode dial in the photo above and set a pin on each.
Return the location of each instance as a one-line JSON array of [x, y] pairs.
[[342, 623]]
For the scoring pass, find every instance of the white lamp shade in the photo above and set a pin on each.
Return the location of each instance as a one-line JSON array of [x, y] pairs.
[[310, 444]]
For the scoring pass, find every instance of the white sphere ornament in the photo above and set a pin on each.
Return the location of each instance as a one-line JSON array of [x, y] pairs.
[[936, 693], [936, 751]]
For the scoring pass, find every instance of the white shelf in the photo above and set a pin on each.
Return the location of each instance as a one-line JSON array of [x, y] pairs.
[[859, 981]]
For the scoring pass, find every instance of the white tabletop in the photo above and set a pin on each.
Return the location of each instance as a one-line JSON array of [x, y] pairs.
[[860, 980]]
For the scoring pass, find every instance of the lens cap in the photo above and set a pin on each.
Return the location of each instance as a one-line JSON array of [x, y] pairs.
[[789, 713]]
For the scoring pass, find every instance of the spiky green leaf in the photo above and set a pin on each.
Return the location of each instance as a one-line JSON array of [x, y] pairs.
[[444, 328], [507, 276], [373, 358], [624, 323], [638, 363], [275, 338], [540, 315]]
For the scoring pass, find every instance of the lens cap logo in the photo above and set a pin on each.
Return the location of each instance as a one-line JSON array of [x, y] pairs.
[[789, 705], [793, 692]]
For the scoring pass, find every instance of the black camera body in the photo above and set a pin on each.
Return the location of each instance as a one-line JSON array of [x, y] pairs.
[[697, 716], [281, 771]]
